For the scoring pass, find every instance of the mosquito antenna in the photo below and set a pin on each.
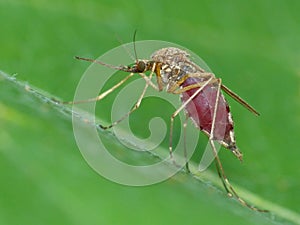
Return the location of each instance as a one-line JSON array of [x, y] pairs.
[[126, 49], [134, 47], [123, 68]]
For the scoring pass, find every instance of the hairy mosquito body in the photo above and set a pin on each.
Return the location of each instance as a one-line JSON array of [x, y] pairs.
[[201, 96]]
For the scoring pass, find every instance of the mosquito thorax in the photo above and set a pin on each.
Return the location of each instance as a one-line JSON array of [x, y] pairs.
[[174, 63], [170, 56]]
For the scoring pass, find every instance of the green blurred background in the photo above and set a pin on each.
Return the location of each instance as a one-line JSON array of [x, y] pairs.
[[253, 45]]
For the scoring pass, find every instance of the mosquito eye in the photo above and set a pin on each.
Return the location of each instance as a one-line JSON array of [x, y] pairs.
[[141, 66]]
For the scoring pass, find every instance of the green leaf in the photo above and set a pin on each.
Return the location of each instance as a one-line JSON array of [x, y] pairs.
[[38, 148]]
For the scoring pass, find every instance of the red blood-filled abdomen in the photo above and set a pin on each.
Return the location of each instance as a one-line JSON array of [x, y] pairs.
[[201, 110]]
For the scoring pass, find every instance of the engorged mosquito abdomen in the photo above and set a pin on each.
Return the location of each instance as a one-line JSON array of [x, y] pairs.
[[201, 110]]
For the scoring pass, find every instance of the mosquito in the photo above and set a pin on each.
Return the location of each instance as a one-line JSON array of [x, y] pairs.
[[201, 96]]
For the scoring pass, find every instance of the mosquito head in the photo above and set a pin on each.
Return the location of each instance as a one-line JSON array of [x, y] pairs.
[[140, 66]]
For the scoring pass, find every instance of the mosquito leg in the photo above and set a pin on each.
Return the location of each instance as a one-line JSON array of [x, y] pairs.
[[239, 100], [223, 182], [228, 187], [218, 161], [218, 165], [185, 148], [230, 190], [103, 95], [137, 104], [176, 89], [147, 79], [135, 107], [171, 140]]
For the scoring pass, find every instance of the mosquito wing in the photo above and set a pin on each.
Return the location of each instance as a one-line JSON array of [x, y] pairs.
[[239, 99]]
